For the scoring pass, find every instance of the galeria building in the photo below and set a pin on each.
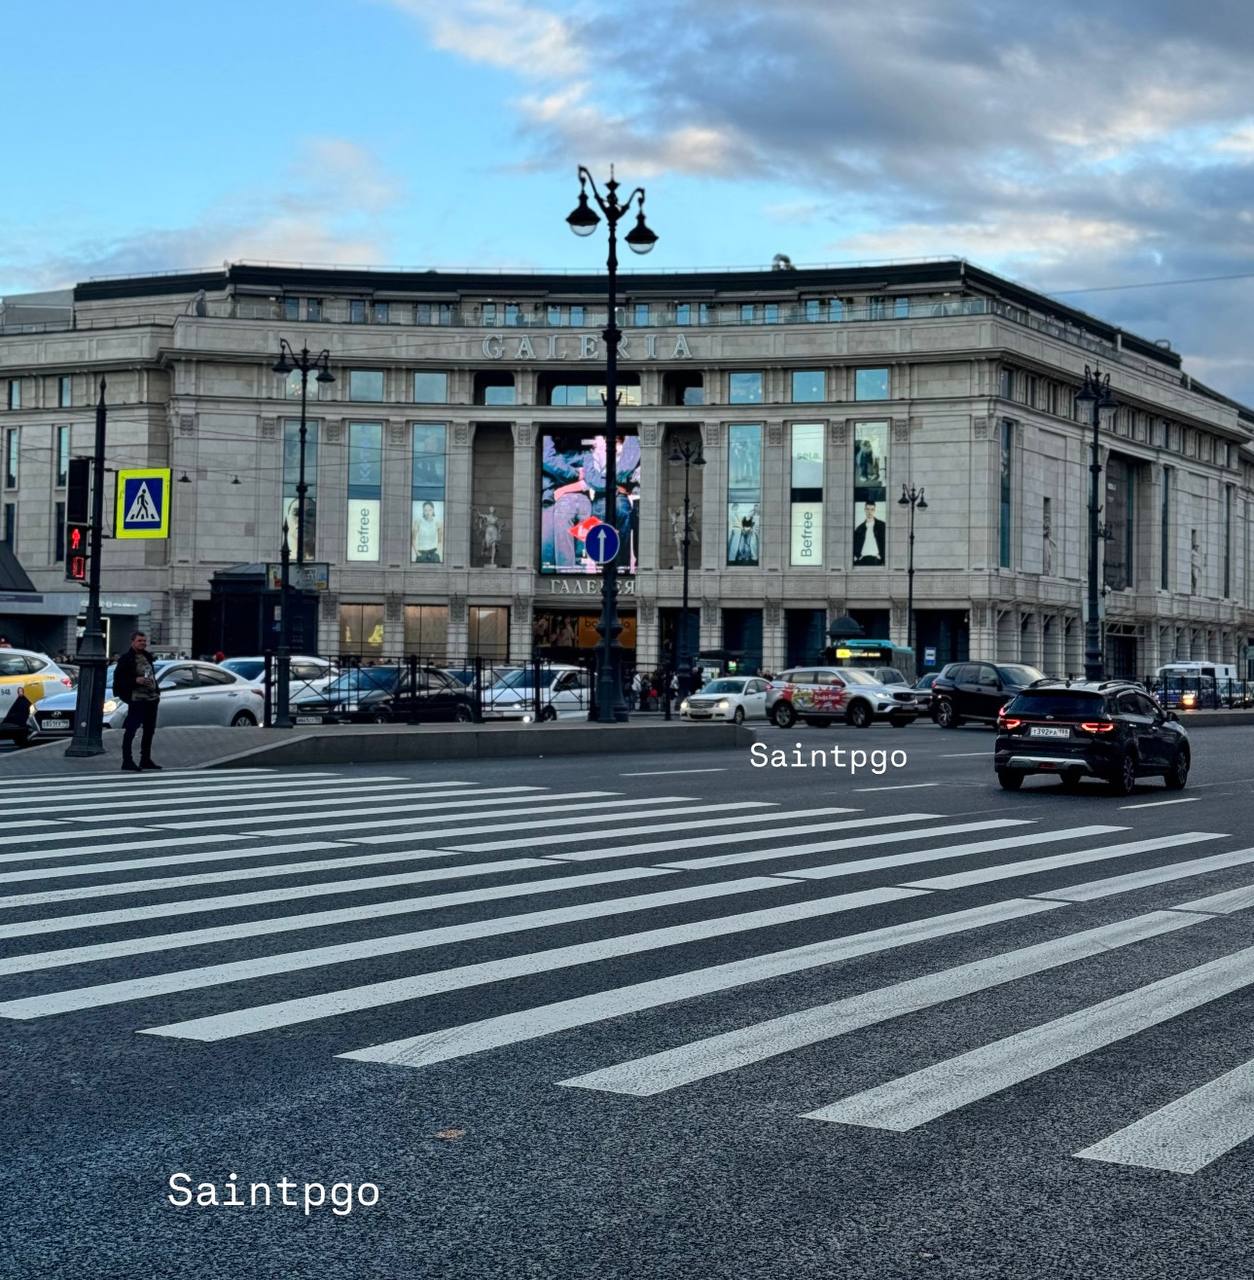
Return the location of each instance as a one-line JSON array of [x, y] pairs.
[[453, 463]]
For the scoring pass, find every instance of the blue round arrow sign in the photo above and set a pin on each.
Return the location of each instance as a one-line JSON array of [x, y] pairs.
[[602, 543]]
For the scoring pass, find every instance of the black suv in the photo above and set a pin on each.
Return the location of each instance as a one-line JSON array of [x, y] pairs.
[[977, 690], [1111, 729]]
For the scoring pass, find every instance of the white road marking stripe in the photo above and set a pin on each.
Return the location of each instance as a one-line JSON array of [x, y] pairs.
[[347, 952], [262, 851], [451, 834], [154, 786], [702, 824], [285, 1013], [915, 1099], [944, 852], [705, 841], [120, 846], [714, 1055], [291, 810], [288, 893], [32, 961], [1222, 904], [984, 875], [1188, 1134], [960, 755], [322, 795], [666, 773], [581, 1011], [42, 823], [1158, 804], [66, 831], [901, 786], [1153, 875]]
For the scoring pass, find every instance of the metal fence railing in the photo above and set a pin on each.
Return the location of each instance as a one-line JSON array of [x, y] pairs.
[[1200, 693]]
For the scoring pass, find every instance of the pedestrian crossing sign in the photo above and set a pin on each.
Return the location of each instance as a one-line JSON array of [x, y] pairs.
[[143, 509]]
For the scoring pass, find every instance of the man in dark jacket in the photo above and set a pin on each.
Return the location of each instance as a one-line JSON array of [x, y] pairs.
[[135, 683]]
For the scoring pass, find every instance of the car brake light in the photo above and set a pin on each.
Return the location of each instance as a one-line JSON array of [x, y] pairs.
[[1009, 722], [1097, 726], [65, 680]]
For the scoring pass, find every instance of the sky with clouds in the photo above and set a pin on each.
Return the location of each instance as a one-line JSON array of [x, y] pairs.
[[1073, 147]]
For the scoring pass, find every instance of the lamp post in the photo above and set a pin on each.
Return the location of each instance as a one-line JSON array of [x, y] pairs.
[[306, 362], [1094, 392], [92, 659], [583, 220], [912, 498], [691, 456]]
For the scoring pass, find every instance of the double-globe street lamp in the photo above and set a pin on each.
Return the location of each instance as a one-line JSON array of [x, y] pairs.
[[914, 499], [691, 456], [583, 221], [289, 362], [1094, 392]]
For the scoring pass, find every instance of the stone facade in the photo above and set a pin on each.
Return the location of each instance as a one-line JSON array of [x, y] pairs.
[[973, 382]]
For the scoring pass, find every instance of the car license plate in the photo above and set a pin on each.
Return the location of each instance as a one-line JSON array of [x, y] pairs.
[[51, 723], [308, 719], [1047, 731]]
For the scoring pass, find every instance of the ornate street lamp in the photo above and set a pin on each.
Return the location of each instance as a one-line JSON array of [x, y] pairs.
[[1094, 392], [306, 362], [691, 456], [914, 499], [583, 221]]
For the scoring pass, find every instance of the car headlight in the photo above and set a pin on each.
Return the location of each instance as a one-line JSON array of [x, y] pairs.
[[111, 706], [723, 704], [683, 706]]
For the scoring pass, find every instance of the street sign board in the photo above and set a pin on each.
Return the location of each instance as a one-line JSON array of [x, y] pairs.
[[310, 576], [929, 656], [143, 505], [602, 543]]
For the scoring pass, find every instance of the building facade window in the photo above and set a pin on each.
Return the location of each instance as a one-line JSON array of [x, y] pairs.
[[748, 313], [426, 521], [499, 394], [365, 385], [1227, 540], [591, 393], [809, 386], [511, 315], [870, 384], [15, 393], [1005, 510], [870, 494], [554, 315], [642, 314], [1006, 384], [1164, 534], [63, 456], [426, 631], [365, 489], [361, 630], [291, 478], [65, 391], [1119, 513], [813, 310], [489, 631], [291, 308], [10, 526], [744, 388], [703, 313], [379, 313], [313, 308], [835, 309], [292, 384], [12, 455], [770, 312], [901, 308], [683, 313], [877, 307], [430, 388], [487, 314], [578, 315], [58, 533], [744, 493], [357, 311], [806, 494]]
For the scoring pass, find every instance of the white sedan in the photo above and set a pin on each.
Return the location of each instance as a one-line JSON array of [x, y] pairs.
[[195, 693], [736, 698]]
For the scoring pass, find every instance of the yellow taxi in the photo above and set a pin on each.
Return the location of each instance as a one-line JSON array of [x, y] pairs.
[[23, 668]]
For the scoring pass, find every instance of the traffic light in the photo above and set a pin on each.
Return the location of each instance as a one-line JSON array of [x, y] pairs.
[[76, 552], [78, 492]]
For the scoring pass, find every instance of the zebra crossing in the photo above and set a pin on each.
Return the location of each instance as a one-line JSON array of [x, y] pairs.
[[125, 872]]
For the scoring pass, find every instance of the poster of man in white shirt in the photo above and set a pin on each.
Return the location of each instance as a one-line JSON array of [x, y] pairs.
[[868, 538], [870, 492]]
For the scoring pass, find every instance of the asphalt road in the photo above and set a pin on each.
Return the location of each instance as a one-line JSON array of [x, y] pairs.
[[566, 1033]]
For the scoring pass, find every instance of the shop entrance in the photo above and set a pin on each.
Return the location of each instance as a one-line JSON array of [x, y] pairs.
[[568, 635]]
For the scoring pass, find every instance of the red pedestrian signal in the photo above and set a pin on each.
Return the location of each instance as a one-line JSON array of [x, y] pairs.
[[76, 552]]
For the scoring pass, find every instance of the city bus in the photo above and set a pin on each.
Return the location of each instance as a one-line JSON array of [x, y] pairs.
[[868, 655]]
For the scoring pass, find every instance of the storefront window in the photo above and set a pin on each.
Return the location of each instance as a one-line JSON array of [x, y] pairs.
[[426, 540], [744, 493], [489, 631], [426, 630], [361, 630], [870, 494]]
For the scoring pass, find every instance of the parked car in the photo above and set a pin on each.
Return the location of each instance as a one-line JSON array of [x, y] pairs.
[[737, 698], [201, 693], [1110, 729], [386, 695], [308, 675], [565, 694], [819, 695], [923, 693], [977, 690], [24, 667], [55, 715]]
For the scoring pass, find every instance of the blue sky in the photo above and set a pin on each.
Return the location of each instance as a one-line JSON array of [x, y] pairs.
[[1067, 148]]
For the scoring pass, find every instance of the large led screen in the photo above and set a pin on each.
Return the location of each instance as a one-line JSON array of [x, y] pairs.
[[572, 500]]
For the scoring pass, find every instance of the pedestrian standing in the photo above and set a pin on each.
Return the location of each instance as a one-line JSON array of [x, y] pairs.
[[135, 683], [637, 685]]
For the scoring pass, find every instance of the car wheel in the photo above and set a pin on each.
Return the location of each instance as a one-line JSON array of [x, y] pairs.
[[243, 719], [462, 715], [1124, 781], [859, 715], [1010, 779], [739, 717], [380, 717], [946, 716], [1177, 776], [548, 713], [783, 715]]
